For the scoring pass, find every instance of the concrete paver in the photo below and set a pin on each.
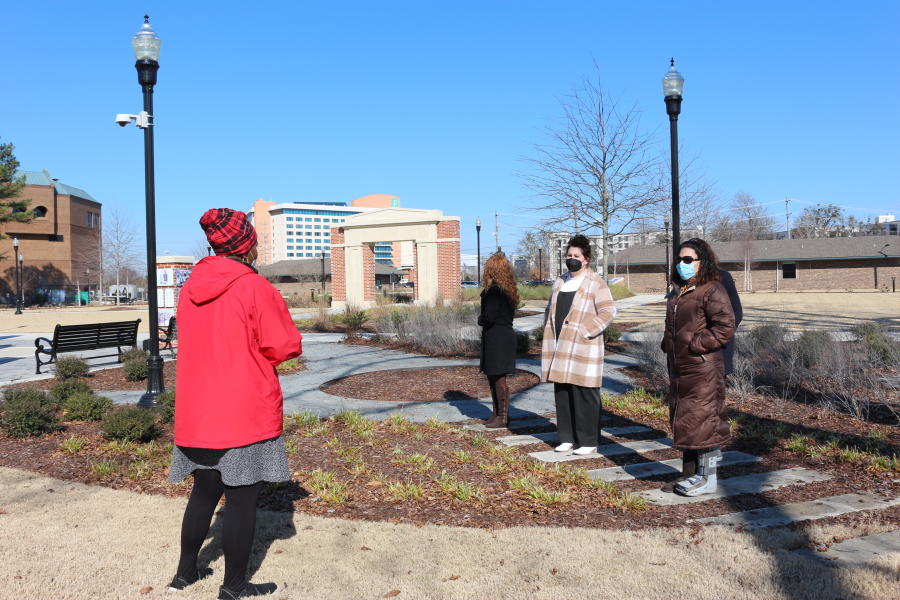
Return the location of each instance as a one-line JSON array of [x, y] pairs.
[[821, 508], [662, 467], [745, 484], [553, 437], [858, 551], [611, 449]]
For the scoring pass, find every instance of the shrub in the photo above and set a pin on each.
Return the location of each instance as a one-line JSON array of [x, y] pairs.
[[353, 320], [612, 333], [86, 406], [130, 423], [442, 330], [768, 336], [135, 354], [71, 368], [62, 390], [166, 402], [135, 370], [811, 345], [27, 412], [879, 346], [523, 342]]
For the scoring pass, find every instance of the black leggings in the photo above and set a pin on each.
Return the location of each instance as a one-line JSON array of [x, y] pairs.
[[237, 530]]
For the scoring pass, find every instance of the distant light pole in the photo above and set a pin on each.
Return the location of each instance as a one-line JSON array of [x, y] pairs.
[[146, 53], [478, 237], [18, 275], [323, 272], [673, 85], [541, 264], [208, 250]]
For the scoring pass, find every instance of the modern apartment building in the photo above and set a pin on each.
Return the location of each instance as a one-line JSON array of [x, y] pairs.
[[295, 230]]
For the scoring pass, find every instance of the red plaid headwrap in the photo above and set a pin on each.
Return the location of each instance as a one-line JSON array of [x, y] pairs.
[[228, 231]]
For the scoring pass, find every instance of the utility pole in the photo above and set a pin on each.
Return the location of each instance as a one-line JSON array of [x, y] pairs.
[[787, 216], [541, 264], [497, 229]]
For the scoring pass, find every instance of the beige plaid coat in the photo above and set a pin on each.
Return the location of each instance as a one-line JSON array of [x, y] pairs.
[[577, 356]]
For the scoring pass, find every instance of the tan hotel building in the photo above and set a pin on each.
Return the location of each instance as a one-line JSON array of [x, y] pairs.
[[60, 245], [302, 230]]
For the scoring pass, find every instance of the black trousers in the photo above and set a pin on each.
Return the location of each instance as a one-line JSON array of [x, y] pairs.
[[237, 531], [577, 414]]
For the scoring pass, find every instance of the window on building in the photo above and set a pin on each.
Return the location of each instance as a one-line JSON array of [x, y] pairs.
[[326, 220], [309, 254], [290, 253], [290, 225], [308, 219], [39, 212], [317, 226], [93, 219], [318, 233], [317, 220], [309, 226], [789, 270], [289, 218], [290, 247], [318, 247]]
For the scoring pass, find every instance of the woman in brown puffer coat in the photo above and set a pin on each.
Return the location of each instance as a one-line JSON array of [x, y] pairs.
[[699, 322]]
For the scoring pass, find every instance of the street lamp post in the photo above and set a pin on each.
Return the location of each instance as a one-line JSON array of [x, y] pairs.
[[673, 85], [18, 276], [146, 53], [478, 237]]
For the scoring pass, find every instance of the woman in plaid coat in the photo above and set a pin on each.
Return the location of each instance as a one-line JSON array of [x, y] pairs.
[[581, 307]]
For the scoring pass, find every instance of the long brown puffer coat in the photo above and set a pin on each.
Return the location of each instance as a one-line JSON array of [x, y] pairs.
[[699, 322]]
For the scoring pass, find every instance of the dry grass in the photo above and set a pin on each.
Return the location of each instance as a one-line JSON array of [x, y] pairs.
[[58, 545]]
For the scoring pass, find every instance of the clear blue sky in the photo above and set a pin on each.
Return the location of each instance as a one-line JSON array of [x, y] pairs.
[[438, 102]]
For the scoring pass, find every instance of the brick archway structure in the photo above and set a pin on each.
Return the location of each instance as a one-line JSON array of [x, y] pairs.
[[436, 270]]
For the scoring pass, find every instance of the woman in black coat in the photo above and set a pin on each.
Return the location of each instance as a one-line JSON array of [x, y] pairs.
[[499, 299]]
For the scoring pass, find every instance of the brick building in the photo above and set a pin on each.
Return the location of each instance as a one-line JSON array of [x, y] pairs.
[[825, 264], [60, 246]]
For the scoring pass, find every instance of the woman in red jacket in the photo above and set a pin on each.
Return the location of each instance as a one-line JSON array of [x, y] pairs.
[[233, 330]]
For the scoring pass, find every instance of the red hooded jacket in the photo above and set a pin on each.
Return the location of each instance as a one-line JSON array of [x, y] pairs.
[[233, 329]]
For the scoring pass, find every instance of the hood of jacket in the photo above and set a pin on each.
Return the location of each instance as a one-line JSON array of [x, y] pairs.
[[213, 276]]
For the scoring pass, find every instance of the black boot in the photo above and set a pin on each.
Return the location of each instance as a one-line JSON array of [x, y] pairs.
[[501, 410], [688, 469]]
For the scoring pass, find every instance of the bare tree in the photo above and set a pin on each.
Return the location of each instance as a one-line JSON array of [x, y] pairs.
[[535, 245], [120, 247], [746, 220], [200, 249], [816, 221], [599, 171]]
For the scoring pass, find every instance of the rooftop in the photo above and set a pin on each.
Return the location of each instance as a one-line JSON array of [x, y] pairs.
[[43, 178]]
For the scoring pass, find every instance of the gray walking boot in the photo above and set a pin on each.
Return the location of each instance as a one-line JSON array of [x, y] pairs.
[[704, 482]]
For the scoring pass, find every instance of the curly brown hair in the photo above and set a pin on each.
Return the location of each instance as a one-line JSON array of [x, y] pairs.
[[709, 263], [498, 271]]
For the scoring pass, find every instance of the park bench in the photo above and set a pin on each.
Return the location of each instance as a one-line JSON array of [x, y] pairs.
[[166, 334], [75, 338]]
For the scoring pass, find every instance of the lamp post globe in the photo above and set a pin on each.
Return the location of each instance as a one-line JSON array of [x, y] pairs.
[[146, 45], [673, 86]]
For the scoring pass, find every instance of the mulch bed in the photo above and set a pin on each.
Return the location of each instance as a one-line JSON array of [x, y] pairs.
[[373, 460], [435, 384]]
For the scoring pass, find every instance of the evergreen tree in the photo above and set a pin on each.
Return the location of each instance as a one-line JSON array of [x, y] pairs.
[[12, 207]]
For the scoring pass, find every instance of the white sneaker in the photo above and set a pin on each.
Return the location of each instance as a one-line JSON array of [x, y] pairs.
[[586, 450], [564, 447]]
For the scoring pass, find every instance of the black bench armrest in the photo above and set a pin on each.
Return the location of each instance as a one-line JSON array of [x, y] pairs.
[[40, 346]]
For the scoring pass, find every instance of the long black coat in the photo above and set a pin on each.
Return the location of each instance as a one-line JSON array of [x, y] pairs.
[[727, 282], [498, 338]]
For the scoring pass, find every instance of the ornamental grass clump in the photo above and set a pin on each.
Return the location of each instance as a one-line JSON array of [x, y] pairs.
[[130, 423], [71, 368], [25, 413], [86, 406]]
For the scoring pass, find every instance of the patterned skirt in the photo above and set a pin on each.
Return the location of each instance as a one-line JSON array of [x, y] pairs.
[[260, 461]]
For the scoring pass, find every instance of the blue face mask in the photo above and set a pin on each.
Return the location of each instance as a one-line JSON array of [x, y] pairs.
[[686, 271]]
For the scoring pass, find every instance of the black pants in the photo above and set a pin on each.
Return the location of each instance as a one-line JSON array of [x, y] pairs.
[[577, 414], [238, 528]]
